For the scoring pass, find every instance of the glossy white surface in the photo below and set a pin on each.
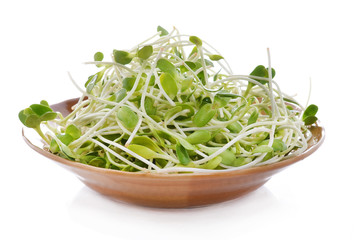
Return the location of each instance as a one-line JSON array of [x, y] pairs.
[[313, 199]]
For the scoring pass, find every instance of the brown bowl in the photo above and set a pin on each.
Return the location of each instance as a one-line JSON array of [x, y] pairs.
[[174, 190]]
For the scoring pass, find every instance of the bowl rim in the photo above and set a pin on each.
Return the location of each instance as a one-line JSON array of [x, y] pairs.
[[247, 171]]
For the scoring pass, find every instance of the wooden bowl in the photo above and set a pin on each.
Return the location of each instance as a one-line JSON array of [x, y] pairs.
[[173, 190]]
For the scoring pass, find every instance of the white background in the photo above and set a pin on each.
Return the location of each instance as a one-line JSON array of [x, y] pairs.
[[313, 199]]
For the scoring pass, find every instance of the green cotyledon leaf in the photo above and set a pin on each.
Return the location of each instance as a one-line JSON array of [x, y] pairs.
[[213, 163], [163, 31], [277, 145], [263, 149], [215, 57], [145, 52], [167, 67], [182, 154], [309, 114], [234, 127], [127, 117], [199, 136], [118, 96], [204, 115], [149, 106], [143, 151], [310, 120], [169, 85], [188, 113], [228, 157], [147, 142], [73, 131], [40, 109], [197, 41], [97, 162], [253, 117], [171, 112], [311, 110], [122, 57], [98, 56]]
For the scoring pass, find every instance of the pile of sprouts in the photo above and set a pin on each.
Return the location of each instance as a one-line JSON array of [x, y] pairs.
[[171, 104]]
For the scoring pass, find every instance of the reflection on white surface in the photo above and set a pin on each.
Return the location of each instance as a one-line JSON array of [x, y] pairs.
[[93, 210]]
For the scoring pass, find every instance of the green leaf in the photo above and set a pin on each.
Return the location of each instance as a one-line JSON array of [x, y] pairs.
[[239, 162], [190, 64], [277, 145], [208, 63], [194, 51], [220, 101], [127, 117], [210, 150], [182, 154], [197, 41], [66, 139], [91, 83], [201, 77], [122, 57], [149, 106], [234, 127], [152, 81], [33, 116], [213, 163], [147, 142], [32, 121], [311, 110], [186, 144], [40, 109], [227, 94], [204, 115], [118, 96], [273, 72], [143, 151], [98, 56], [128, 83], [262, 149], [161, 136], [48, 116], [177, 53], [53, 147], [260, 71], [23, 116], [199, 136], [186, 84], [97, 162], [253, 118], [73, 131], [145, 52], [215, 57], [228, 157], [66, 151], [166, 66], [171, 112], [169, 85], [44, 102], [163, 31], [188, 114], [216, 76], [310, 120], [309, 114]]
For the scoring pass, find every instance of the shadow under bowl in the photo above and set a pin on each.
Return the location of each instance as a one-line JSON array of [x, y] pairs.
[[174, 190]]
